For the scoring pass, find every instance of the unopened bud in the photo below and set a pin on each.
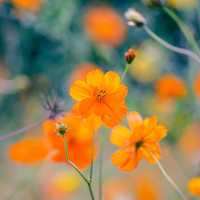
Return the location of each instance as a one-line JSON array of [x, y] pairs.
[[130, 55], [135, 18]]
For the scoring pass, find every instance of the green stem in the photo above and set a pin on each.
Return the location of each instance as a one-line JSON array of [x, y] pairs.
[[125, 71], [184, 28], [168, 178], [178, 50], [78, 170]]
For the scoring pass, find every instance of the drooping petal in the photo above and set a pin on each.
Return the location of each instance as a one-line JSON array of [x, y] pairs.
[[94, 78], [29, 151], [111, 81], [120, 136], [134, 119], [125, 160], [79, 90]]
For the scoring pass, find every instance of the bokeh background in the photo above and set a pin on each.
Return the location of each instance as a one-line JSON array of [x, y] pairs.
[[45, 45]]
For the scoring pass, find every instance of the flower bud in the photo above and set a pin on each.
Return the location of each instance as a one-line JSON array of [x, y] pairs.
[[130, 55], [61, 129], [135, 18]]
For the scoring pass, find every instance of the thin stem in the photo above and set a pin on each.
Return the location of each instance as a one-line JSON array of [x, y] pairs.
[[178, 50], [184, 28], [169, 179], [22, 130], [92, 164], [125, 71], [77, 169]]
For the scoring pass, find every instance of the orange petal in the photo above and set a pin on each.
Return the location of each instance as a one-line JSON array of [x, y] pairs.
[[28, 151], [134, 119], [94, 78], [111, 81], [79, 90], [120, 136], [125, 160]]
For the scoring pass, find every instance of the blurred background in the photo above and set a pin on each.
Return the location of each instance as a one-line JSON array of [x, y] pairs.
[[47, 44]]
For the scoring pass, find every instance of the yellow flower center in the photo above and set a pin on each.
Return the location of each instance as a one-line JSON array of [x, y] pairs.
[[100, 95]]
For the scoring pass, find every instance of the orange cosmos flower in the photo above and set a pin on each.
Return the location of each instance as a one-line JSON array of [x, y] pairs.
[[194, 186], [140, 141], [29, 150], [101, 94], [31, 5], [196, 85], [105, 26], [170, 87], [79, 134]]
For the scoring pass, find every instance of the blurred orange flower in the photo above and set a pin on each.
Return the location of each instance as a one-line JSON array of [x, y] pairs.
[[170, 86], [105, 26], [79, 135], [194, 186], [31, 5], [101, 94], [140, 141], [196, 85], [81, 71], [29, 150]]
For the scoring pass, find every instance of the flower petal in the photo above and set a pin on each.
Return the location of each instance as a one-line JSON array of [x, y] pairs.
[[94, 78], [134, 119], [79, 90], [120, 136]]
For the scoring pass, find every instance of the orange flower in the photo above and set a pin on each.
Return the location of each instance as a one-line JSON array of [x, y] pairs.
[[194, 186], [105, 26], [81, 71], [29, 151], [101, 94], [140, 141], [196, 85], [32, 5], [170, 87], [79, 134]]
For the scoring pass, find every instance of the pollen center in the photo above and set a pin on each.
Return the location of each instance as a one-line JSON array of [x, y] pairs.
[[138, 144], [100, 95]]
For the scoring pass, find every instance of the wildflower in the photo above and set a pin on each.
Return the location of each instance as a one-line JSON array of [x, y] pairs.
[[105, 26], [135, 18], [170, 86], [196, 86], [130, 55], [194, 186], [30, 5], [101, 94], [79, 134], [140, 141], [29, 150]]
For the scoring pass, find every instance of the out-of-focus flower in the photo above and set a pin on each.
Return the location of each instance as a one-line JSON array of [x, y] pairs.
[[138, 142], [135, 18], [147, 186], [130, 55], [194, 186], [81, 71], [196, 85], [30, 5], [170, 86], [104, 25], [79, 134], [101, 94], [182, 4], [29, 150], [190, 141], [58, 184], [148, 63]]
